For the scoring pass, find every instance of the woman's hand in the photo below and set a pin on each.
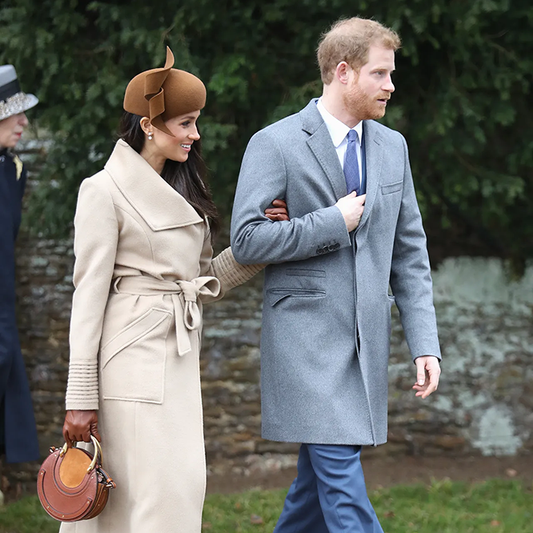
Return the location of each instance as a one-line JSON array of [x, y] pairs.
[[278, 212], [79, 426]]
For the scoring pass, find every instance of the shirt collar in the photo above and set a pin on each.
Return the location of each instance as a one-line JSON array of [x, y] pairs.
[[337, 129]]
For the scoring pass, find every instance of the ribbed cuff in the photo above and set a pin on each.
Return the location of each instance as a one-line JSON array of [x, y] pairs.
[[231, 273], [82, 387]]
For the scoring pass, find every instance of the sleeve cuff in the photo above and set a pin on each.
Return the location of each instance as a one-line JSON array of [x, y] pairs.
[[230, 273], [82, 387]]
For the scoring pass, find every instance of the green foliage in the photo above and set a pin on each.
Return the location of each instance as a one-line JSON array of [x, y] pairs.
[[444, 506], [463, 79]]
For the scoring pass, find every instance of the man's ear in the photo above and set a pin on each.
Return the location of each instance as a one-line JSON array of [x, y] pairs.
[[342, 72]]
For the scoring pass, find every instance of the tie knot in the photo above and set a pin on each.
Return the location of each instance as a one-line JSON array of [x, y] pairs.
[[352, 136]]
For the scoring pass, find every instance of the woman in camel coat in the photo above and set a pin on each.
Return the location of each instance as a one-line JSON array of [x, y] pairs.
[[143, 270]]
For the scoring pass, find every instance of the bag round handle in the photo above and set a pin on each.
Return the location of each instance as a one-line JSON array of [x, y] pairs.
[[97, 451]]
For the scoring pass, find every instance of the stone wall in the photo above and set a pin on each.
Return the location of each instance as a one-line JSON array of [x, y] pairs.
[[484, 404]]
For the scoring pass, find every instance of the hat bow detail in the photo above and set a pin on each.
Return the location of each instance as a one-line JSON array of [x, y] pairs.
[[155, 94]]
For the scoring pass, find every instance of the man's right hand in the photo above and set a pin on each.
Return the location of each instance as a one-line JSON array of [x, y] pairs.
[[79, 426], [352, 207]]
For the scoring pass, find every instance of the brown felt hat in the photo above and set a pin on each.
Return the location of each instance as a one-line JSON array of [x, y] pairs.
[[164, 93]]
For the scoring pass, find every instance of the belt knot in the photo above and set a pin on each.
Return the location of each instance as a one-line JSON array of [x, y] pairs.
[[190, 290], [184, 295]]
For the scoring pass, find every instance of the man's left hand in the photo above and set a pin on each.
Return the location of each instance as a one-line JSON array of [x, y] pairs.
[[427, 375]]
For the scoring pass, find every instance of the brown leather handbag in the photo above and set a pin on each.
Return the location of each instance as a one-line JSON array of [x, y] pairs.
[[72, 484]]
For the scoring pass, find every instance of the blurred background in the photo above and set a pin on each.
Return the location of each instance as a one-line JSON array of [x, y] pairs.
[[463, 87]]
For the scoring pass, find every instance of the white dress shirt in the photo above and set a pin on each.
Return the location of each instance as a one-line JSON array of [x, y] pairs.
[[338, 132]]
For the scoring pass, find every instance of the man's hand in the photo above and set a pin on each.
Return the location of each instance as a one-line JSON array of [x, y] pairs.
[[352, 207], [79, 426], [427, 375], [278, 212]]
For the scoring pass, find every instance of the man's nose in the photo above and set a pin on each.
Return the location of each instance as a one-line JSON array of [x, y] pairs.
[[389, 86]]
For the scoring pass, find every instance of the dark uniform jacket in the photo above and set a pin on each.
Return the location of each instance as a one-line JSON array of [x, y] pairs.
[[18, 434]]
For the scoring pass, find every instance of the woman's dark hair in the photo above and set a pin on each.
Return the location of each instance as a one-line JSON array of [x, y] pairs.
[[188, 178]]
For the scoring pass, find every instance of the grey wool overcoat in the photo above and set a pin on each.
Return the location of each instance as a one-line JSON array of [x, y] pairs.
[[327, 293]]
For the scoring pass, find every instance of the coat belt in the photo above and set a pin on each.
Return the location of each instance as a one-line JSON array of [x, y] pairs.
[[184, 296]]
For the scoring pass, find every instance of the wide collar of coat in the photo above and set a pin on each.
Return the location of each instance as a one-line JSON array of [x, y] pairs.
[[321, 145], [159, 204]]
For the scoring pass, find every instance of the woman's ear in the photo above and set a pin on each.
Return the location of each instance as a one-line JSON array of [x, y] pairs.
[[146, 126]]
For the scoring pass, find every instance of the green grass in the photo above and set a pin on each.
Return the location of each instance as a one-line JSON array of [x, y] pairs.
[[496, 506]]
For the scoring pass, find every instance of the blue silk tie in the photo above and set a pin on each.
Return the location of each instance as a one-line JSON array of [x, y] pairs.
[[351, 165]]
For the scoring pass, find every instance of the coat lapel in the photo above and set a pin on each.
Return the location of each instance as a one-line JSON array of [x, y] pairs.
[[373, 161], [160, 205], [322, 147]]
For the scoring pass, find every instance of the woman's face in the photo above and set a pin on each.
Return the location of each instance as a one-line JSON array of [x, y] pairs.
[[185, 132], [11, 129]]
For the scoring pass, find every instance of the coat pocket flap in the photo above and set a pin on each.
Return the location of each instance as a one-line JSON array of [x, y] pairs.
[[392, 187], [132, 332], [276, 295], [306, 272]]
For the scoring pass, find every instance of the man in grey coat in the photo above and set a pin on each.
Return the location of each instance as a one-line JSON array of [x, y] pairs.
[[334, 271]]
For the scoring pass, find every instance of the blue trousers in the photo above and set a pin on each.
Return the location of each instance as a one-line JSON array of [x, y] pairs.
[[329, 493]]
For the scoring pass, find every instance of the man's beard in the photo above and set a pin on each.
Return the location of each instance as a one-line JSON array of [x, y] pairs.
[[362, 106]]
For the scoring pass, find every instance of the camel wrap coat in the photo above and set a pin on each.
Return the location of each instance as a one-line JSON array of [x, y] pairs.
[[143, 270]]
